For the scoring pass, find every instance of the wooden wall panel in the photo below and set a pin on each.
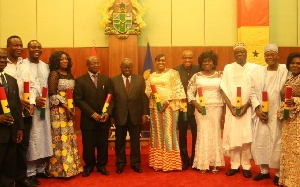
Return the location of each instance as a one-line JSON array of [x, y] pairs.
[[173, 55]]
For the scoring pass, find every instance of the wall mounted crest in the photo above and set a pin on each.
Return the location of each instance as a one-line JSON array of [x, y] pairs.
[[122, 18]]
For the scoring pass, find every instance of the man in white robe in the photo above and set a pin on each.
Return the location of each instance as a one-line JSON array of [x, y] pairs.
[[40, 141], [266, 127], [237, 136]]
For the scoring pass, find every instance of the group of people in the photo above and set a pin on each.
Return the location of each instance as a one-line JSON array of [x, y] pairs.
[[246, 100]]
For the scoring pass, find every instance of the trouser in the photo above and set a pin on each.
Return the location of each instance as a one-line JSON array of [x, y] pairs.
[[36, 166], [7, 163], [240, 156], [91, 140], [182, 127], [264, 169], [22, 149], [134, 133]]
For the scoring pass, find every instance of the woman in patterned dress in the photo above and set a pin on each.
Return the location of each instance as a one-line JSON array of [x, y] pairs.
[[65, 161], [208, 149], [290, 142], [164, 149]]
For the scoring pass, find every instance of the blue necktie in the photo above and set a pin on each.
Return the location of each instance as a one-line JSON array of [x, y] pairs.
[[4, 84]]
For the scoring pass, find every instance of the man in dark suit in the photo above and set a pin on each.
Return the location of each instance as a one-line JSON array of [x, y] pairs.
[[90, 92], [131, 109], [11, 127]]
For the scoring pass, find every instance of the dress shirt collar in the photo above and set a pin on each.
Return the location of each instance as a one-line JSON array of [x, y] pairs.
[[20, 60], [91, 74]]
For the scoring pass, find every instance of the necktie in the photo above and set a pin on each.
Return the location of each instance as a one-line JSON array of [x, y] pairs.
[[127, 85], [95, 79], [4, 83]]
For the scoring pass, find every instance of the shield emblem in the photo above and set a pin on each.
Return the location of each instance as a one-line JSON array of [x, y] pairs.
[[122, 22]]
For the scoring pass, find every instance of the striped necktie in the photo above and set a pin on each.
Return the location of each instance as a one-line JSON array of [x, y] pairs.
[[95, 79]]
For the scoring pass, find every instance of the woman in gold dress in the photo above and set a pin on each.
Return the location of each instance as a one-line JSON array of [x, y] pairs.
[[65, 161], [290, 142]]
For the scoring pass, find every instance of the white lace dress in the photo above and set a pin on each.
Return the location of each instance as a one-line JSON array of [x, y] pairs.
[[208, 150]]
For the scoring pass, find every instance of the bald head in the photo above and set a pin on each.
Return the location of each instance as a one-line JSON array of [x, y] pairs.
[[187, 59], [3, 59], [93, 64], [187, 52]]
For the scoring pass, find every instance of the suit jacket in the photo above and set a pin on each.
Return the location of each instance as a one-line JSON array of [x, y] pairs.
[[135, 103], [13, 99], [90, 99]]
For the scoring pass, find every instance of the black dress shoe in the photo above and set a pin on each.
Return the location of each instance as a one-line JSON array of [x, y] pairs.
[[185, 166], [232, 172], [25, 182], [247, 173], [276, 181], [136, 169], [35, 180], [120, 169], [103, 171], [261, 176], [44, 175], [86, 172]]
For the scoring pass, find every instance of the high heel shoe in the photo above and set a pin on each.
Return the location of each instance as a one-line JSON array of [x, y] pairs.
[[215, 170]]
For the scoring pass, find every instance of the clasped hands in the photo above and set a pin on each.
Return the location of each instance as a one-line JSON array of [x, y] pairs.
[[234, 108], [27, 106], [262, 116], [100, 118]]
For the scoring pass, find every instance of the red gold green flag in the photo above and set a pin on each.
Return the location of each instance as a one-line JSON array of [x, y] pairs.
[[44, 96], [106, 104], [265, 103], [288, 95], [4, 103], [184, 111], [26, 95], [70, 99], [201, 100], [253, 27], [238, 100], [156, 96]]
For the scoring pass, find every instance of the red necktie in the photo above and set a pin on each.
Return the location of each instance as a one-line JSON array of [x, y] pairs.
[[95, 79], [127, 85]]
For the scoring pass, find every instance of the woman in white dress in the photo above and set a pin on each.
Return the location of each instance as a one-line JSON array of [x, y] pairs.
[[210, 115]]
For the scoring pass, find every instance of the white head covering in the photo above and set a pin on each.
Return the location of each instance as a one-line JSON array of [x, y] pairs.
[[271, 47], [239, 45]]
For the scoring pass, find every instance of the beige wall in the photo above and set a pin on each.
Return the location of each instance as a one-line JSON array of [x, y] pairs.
[[75, 23]]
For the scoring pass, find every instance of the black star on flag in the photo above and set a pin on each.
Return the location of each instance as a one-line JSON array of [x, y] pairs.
[[255, 53]]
